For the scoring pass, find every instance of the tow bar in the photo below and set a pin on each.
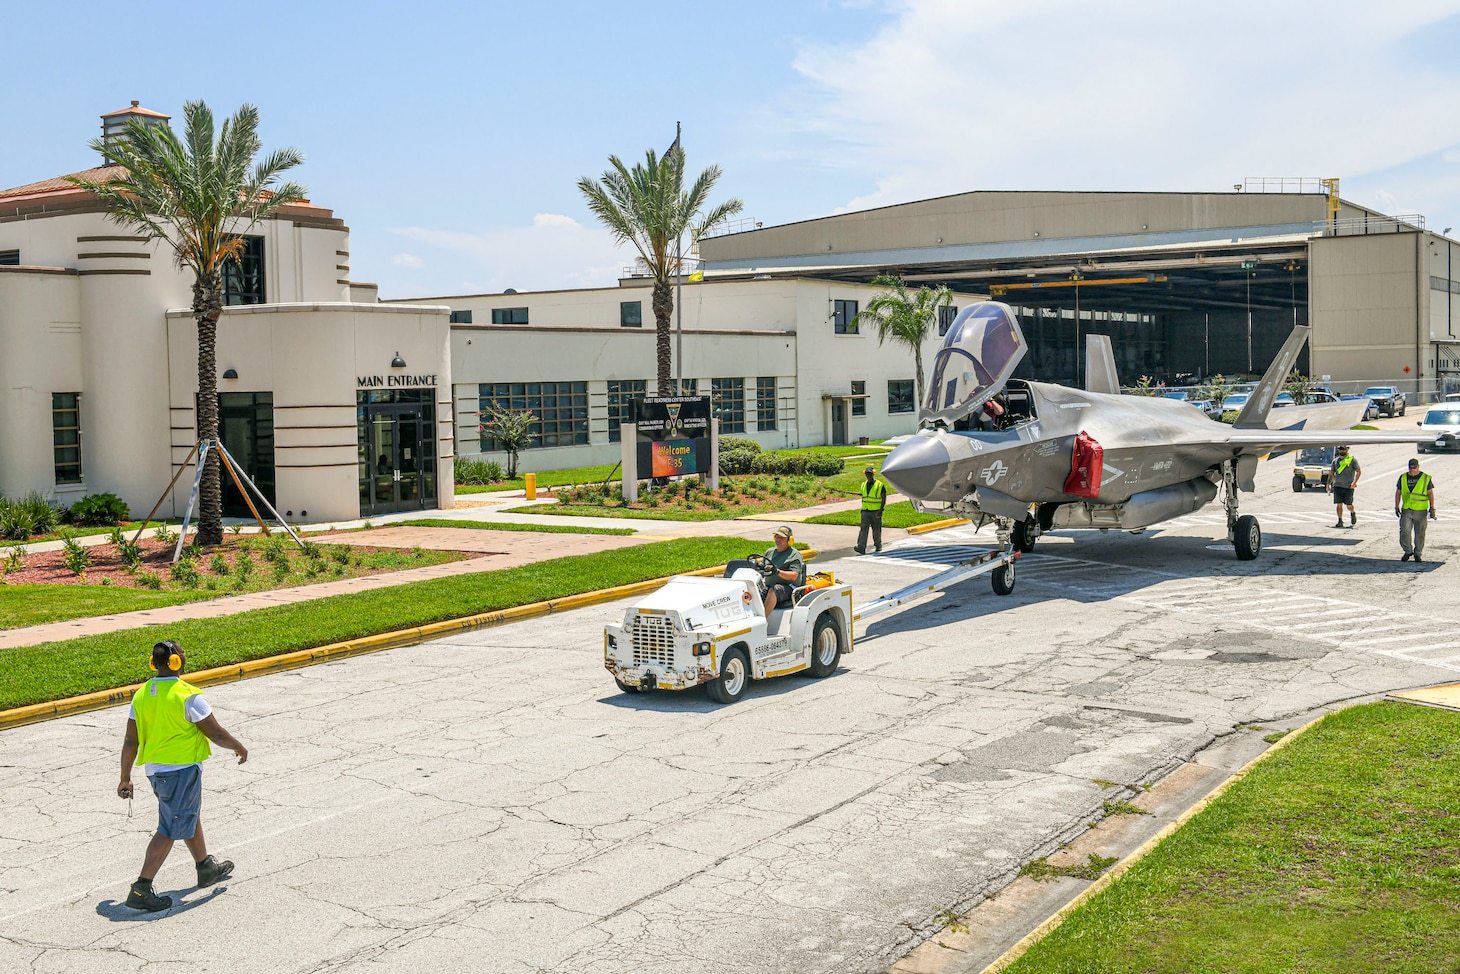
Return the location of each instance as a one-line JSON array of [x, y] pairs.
[[998, 562]]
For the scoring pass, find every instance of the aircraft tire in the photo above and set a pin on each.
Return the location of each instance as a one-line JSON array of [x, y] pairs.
[[734, 677], [1297, 485], [1248, 539], [1024, 536], [826, 646], [1003, 579]]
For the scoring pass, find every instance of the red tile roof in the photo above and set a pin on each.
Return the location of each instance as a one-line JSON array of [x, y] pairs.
[[135, 110], [60, 184]]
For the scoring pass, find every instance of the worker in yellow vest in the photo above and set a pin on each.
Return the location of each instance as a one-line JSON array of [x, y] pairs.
[[874, 502], [1414, 503], [168, 730]]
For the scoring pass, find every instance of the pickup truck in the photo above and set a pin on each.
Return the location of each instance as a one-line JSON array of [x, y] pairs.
[[1388, 399]]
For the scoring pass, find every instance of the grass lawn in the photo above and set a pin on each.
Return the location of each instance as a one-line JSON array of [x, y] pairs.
[[897, 515], [128, 527], [50, 671], [34, 605], [1341, 853], [434, 522]]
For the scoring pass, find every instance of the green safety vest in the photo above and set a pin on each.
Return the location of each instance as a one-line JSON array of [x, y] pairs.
[[164, 733], [1342, 464], [874, 496], [1417, 499]]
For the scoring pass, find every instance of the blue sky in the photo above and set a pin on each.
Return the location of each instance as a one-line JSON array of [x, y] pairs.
[[450, 135]]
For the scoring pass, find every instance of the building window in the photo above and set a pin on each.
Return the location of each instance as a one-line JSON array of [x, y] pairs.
[[946, 314], [560, 408], [900, 395], [688, 387], [243, 279], [765, 402], [509, 316], [66, 435], [621, 396], [729, 402], [844, 316], [9, 258], [631, 314], [859, 388], [461, 317]]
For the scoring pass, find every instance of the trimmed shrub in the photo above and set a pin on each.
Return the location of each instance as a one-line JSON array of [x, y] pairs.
[[728, 443], [478, 472], [738, 461], [98, 510], [824, 464], [773, 463]]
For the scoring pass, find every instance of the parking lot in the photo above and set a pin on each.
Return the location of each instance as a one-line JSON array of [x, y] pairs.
[[490, 802]]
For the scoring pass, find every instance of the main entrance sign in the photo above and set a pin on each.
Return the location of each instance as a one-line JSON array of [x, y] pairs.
[[395, 381], [673, 436]]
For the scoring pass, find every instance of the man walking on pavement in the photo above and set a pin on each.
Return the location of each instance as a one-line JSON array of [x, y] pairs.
[[168, 730], [874, 501], [1414, 503], [1342, 481]]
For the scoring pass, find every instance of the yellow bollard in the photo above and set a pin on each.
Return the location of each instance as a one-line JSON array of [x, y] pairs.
[[531, 483]]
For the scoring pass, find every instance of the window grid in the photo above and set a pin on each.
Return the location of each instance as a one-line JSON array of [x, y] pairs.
[[946, 314], [559, 408], [461, 317], [900, 395], [10, 258], [509, 316], [621, 395], [859, 388], [631, 314], [243, 278], [66, 436], [844, 315], [729, 403], [765, 402]]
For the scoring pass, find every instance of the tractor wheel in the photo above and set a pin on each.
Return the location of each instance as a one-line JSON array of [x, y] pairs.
[[734, 676], [626, 688], [1003, 579], [826, 646], [1297, 484], [1248, 538]]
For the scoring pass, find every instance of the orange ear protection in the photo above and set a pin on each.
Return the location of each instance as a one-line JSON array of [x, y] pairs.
[[174, 660]]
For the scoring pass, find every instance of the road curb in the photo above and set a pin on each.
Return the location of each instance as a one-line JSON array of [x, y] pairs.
[[948, 522], [1009, 956], [102, 699]]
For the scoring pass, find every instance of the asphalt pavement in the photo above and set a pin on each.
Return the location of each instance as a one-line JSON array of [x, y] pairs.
[[490, 802]]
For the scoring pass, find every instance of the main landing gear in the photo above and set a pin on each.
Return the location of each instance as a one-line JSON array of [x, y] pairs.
[[1242, 529]]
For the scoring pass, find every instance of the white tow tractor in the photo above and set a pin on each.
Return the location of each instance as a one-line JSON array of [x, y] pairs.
[[714, 631]]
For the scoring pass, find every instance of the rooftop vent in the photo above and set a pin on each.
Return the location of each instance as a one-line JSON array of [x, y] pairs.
[[114, 124]]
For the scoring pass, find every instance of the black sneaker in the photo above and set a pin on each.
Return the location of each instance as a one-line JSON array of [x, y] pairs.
[[141, 897], [860, 551], [1352, 520], [1339, 524], [211, 871], [1404, 557], [1417, 557]]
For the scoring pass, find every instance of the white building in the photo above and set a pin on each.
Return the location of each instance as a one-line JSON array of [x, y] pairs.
[[788, 363], [98, 364]]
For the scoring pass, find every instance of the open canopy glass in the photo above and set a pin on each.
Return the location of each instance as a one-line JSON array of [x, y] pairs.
[[983, 346]]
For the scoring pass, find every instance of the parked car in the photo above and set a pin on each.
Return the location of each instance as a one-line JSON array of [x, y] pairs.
[[1316, 396], [1371, 409], [1235, 401], [1388, 398], [1312, 467], [1441, 428], [1452, 397], [1284, 399]]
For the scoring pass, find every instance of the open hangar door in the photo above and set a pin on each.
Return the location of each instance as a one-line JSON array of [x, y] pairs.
[[1175, 320]]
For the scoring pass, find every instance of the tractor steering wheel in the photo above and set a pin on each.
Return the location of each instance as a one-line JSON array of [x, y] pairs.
[[761, 563]]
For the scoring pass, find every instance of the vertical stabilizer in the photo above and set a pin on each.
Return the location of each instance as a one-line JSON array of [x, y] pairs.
[[1254, 413], [1100, 366]]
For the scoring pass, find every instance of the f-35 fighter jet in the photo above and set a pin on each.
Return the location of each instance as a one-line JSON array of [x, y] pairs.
[[1046, 456]]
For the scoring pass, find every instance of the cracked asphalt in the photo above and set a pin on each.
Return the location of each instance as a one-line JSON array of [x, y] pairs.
[[490, 802]]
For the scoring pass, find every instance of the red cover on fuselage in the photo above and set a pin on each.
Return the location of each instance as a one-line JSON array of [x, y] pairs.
[[1087, 467]]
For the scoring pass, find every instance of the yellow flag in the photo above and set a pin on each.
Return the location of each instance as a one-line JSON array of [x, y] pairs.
[[697, 277]]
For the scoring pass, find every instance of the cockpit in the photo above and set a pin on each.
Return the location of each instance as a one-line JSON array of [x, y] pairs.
[[970, 389]]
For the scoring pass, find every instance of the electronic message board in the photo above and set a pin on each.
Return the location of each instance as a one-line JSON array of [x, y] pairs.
[[673, 436]]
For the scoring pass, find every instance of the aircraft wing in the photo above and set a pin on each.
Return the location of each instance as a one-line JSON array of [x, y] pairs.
[[1258, 442]]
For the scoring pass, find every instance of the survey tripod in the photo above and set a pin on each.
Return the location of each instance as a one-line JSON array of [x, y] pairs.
[[235, 471]]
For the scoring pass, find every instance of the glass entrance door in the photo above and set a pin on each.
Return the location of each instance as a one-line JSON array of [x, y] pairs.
[[246, 427], [397, 471]]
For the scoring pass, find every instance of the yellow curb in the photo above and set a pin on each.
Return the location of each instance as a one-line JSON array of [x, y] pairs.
[[951, 522], [102, 699], [1446, 695], [1048, 926]]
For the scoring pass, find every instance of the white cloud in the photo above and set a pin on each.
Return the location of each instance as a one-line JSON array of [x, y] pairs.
[[407, 260], [957, 95], [555, 251]]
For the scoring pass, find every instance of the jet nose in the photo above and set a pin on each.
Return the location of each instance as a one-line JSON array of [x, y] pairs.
[[917, 465]]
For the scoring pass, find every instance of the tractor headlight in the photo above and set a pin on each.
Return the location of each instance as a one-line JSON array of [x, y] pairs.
[[702, 649], [612, 643]]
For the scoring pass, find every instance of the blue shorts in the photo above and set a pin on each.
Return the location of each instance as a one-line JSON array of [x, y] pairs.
[[179, 800]]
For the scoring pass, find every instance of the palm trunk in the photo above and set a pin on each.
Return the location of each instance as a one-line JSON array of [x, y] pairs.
[[207, 307], [918, 368], [663, 308]]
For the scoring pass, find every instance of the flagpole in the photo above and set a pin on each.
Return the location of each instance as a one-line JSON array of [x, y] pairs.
[[678, 296]]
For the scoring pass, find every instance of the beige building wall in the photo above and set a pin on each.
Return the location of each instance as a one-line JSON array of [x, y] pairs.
[[40, 353], [1369, 318], [312, 356]]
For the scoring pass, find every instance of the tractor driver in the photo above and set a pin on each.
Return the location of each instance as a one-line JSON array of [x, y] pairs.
[[789, 570]]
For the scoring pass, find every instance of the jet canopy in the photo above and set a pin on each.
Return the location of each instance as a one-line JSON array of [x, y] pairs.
[[983, 346]]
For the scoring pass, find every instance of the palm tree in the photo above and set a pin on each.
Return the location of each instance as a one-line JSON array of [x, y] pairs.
[[201, 197], [904, 316], [648, 206]]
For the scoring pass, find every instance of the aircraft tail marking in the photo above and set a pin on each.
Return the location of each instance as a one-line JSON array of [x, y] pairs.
[[1100, 375], [1259, 404]]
